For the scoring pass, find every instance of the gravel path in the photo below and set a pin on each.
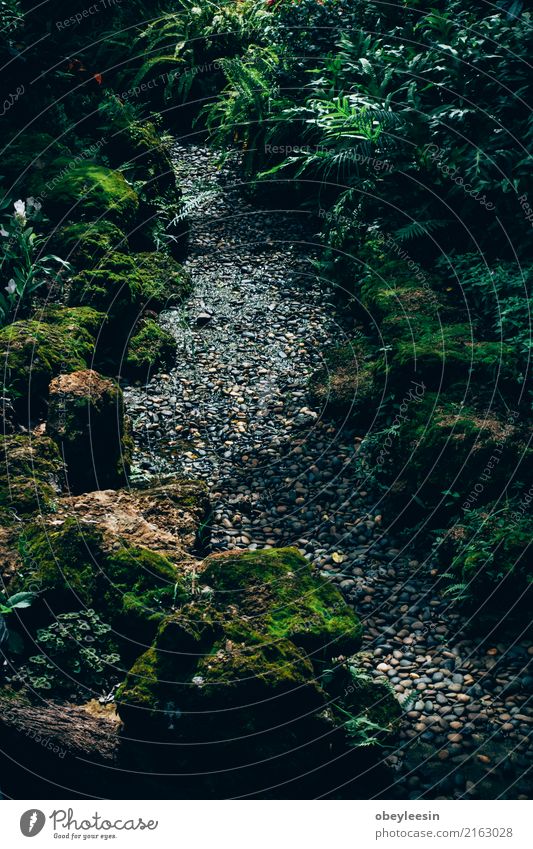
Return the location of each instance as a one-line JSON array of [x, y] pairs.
[[234, 412]]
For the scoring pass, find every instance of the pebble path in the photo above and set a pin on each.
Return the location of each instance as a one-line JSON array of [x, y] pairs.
[[234, 412]]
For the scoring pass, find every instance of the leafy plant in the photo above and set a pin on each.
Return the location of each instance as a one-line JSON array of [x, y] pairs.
[[22, 264], [76, 654], [9, 638]]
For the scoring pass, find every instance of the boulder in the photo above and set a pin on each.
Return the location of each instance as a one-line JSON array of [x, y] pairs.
[[125, 554], [151, 347], [86, 421], [90, 191], [86, 244], [246, 671], [32, 474], [33, 351], [131, 283]]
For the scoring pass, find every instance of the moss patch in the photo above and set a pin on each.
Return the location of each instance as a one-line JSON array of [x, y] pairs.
[[150, 348], [132, 588], [90, 191], [32, 352], [87, 244], [31, 473], [144, 280]]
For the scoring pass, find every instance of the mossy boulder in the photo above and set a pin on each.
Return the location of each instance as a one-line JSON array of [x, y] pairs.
[[246, 669], [33, 351], [487, 560], [31, 473], [72, 567], [90, 191], [88, 244], [266, 621], [360, 377], [441, 452], [279, 587], [144, 152], [150, 348], [131, 282], [86, 421]]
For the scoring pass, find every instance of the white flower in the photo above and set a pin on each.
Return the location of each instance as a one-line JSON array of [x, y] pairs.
[[20, 209], [3, 232], [11, 287], [35, 203]]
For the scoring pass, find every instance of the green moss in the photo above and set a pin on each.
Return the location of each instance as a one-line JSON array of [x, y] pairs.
[[87, 244], [279, 587], [269, 620], [28, 160], [140, 148], [88, 191], [487, 557], [150, 348], [32, 352], [449, 354], [31, 472], [132, 587], [62, 563], [446, 447], [120, 281]]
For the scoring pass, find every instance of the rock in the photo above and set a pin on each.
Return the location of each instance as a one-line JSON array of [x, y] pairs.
[[226, 661], [203, 318], [90, 191], [32, 474], [150, 347], [32, 352], [86, 421]]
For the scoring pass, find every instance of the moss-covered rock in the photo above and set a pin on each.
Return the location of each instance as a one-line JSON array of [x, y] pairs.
[[487, 559], [441, 451], [359, 377], [247, 666], [278, 586], [87, 244], [73, 567], [123, 282], [268, 619], [144, 152], [150, 347], [33, 351], [86, 421], [90, 191], [31, 473]]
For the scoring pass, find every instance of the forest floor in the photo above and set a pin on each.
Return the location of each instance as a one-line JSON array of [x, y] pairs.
[[234, 412]]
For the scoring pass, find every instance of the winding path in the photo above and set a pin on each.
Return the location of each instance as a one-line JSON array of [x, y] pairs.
[[234, 412]]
